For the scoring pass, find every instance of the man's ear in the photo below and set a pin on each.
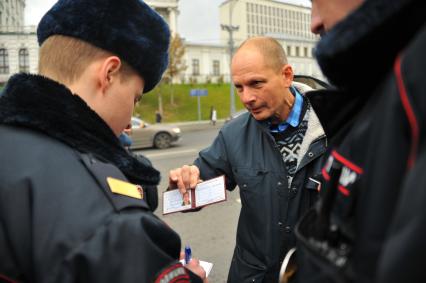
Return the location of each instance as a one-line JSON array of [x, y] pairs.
[[109, 72], [287, 74]]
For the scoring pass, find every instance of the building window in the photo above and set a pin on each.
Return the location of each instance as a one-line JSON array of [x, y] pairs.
[[297, 51], [288, 51], [306, 52], [195, 67], [216, 68], [24, 60], [4, 61]]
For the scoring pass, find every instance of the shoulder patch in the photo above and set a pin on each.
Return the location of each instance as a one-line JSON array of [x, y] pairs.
[[175, 273], [125, 188], [120, 192]]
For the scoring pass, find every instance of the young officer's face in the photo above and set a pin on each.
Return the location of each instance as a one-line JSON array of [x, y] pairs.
[[124, 95], [327, 13], [261, 88]]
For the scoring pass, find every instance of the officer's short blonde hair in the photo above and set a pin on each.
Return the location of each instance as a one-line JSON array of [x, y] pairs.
[[65, 58]]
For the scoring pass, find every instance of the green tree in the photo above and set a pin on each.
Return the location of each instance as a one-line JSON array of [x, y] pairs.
[[176, 63]]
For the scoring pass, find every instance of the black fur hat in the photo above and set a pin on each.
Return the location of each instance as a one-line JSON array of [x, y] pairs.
[[128, 28]]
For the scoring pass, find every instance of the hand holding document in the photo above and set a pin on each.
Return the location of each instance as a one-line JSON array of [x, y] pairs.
[[207, 266], [205, 193]]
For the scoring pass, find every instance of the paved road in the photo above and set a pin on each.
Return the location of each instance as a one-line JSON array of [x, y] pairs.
[[211, 231]]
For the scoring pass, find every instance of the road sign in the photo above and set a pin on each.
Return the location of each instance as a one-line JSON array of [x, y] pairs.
[[198, 92]]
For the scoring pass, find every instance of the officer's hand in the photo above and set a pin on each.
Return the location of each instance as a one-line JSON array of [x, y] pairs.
[[195, 267], [184, 178]]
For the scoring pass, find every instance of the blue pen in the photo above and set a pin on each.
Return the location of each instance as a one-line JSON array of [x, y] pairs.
[[188, 254]]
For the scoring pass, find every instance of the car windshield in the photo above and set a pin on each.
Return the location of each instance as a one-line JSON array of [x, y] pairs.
[[138, 123]]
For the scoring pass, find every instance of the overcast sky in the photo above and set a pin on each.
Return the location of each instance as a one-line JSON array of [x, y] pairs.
[[198, 19]]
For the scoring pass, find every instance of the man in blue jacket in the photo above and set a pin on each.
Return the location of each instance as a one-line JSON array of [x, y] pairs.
[[270, 153]]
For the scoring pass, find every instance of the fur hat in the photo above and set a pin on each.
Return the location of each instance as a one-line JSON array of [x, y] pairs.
[[129, 29]]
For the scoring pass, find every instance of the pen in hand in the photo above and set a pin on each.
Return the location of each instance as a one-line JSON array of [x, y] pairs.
[[188, 254]]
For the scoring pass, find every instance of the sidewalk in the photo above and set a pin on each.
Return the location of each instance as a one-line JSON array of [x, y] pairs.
[[193, 126]]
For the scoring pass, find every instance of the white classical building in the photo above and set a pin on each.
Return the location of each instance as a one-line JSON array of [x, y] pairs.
[[168, 9], [205, 62], [18, 43], [12, 13], [288, 23]]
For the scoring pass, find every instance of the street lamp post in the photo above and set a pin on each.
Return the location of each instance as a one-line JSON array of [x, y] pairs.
[[231, 29]]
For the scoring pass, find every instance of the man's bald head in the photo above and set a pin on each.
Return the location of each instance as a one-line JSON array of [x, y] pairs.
[[271, 50]]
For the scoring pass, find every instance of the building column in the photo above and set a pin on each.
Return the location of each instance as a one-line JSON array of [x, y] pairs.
[[173, 13]]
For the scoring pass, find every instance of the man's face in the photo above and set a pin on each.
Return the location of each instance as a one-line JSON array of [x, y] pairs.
[[261, 88], [186, 198], [122, 97], [327, 13]]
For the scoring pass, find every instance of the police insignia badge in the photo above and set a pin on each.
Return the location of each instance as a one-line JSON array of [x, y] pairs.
[[124, 188], [175, 273]]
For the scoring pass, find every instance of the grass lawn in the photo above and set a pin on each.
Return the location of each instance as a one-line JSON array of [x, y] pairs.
[[184, 107]]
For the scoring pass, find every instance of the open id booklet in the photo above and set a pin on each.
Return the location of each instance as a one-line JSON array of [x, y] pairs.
[[205, 193]]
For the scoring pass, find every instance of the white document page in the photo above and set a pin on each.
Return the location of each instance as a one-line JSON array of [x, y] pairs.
[[173, 202], [210, 191], [207, 266]]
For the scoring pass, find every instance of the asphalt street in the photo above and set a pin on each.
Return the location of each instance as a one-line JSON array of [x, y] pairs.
[[211, 231]]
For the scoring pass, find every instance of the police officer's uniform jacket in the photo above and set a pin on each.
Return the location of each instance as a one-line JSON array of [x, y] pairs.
[[247, 154], [370, 223], [60, 220]]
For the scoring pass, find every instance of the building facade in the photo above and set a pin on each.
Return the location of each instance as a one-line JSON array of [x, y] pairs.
[[169, 10], [12, 13], [288, 23], [205, 63], [18, 43], [262, 17]]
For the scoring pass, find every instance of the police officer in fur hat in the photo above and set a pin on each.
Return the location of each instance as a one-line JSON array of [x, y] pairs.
[[74, 205]]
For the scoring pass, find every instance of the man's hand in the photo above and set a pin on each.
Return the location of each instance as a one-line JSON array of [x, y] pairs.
[[184, 178], [195, 267]]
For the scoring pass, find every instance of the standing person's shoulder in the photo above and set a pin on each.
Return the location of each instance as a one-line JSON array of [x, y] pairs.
[[413, 62]]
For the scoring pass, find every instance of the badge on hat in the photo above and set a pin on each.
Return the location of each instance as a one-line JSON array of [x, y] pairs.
[[124, 188]]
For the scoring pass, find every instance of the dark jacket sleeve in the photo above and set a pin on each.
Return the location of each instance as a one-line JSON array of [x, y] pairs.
[[128, 248], [405, 247], [214, 161]]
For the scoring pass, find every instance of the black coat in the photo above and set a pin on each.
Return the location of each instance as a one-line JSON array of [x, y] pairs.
[[247, 154], [370, 223], [59, 219]]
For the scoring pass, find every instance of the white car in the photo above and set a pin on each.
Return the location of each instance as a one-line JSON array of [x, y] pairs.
[[152, 135]]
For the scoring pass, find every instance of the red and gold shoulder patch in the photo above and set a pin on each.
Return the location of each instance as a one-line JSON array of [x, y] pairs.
[[175, 273]]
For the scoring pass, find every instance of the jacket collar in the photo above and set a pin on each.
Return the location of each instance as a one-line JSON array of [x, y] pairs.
[[359, 51], [41, 104]]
